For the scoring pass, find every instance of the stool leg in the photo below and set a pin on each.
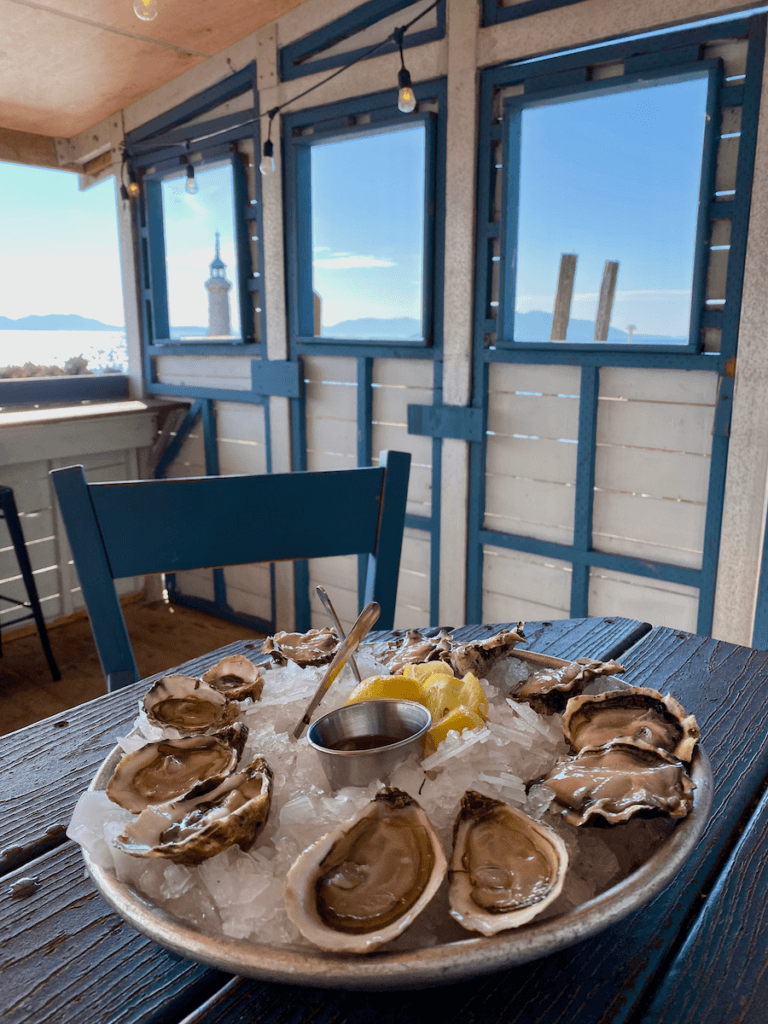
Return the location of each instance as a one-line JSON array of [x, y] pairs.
[[17, 536]]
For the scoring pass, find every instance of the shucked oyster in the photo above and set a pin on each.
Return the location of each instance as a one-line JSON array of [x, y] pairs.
[[367, 881], [478, 656], [192, 829], [236, 677], [505, 868], [315, 647], [547, 689], [162, 771], [414, 649], [619, 780], [190, 706], [636, 712]]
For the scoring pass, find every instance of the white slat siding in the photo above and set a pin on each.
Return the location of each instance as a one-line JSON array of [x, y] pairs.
[[654, 439], [533, 416], [205, 371], [524, 587], [661, 604], [398, 383], [412, 609], [330, 384]]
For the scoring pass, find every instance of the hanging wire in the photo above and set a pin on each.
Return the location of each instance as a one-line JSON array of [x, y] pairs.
[[396, 36]]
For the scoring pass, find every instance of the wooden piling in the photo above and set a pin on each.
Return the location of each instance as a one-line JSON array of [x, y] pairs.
[[605, 302], [562, 312]]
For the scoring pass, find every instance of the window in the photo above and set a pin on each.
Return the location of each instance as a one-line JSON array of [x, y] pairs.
[[364, 225], [603, 239]]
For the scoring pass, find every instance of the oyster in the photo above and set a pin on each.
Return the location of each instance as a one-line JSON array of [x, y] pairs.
[[190, 706], [236, 677], [367, 881], [478, 656], [619, 780], [636, 712], [547, 689], [505, 868], [162, 771], [316, 647], [414, 649], [192, 829]]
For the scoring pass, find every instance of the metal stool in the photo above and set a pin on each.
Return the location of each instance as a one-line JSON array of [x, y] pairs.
[[9, 512]]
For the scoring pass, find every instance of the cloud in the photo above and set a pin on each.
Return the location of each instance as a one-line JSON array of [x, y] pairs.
[[347, 262]]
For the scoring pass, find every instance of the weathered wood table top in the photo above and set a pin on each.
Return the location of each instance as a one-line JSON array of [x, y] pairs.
[[697, 952]]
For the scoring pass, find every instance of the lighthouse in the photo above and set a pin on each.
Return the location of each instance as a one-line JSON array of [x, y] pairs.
[[218, 288]]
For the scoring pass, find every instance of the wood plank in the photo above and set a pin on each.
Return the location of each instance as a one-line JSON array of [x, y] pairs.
[[717, 272], [533, 508], [238, 421], [732, 52], [727, 160], [514, 378], [63, 911], [682, 387], [534, 458], [675, 475], [515, 576], [330, 368], [405, 373], [666, 426], [721, 973], [330, 435], [534, 416], [656, 528], [341, 399], [656, 601], [499, 606]]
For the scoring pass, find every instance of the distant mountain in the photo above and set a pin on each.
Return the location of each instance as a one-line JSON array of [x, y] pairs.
[[189, 332], [374, 328], [55, 322]]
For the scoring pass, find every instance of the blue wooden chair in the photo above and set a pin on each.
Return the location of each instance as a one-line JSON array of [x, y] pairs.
[[137, 528]]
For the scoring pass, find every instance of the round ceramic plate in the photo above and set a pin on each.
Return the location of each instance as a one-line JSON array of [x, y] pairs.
[[442, 964]]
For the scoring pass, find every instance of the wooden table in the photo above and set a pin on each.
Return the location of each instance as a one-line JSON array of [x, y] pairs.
[[697, 953]]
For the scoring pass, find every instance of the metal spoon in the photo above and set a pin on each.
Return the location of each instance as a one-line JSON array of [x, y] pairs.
[[365, 621], [326, 602]]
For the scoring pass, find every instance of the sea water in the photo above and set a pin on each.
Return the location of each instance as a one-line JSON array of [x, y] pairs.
[[102, 349]]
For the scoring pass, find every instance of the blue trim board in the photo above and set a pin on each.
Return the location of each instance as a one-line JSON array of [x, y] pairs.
[[277, 377], [82, 387], [216, 394], [494, 12], [659, 55], [174, 447], [446, 421], [169, 347], [294, 58], [364, 413]]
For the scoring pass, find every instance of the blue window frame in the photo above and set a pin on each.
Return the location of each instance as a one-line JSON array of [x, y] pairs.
[[733, 104], [324, 49], [625, 164], [495, 11], [384, 199]]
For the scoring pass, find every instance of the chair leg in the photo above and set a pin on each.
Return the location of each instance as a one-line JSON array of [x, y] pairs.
[[17, 536]]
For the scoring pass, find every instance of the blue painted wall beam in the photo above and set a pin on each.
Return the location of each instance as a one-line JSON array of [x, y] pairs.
[[281, 377], [174, 447], [585, 488], [466, 424]]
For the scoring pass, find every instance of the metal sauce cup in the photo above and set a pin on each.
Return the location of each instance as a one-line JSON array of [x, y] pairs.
[[338, 736]]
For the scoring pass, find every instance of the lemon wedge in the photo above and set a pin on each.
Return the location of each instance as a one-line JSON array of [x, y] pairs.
[[388, 687], [460, 718], [427, 669]]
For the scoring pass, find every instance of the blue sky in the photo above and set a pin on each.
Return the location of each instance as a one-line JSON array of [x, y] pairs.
[[614, 177], [368, 225], [58, 246]]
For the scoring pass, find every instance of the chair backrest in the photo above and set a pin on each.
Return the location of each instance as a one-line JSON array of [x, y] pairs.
[[141, 527]]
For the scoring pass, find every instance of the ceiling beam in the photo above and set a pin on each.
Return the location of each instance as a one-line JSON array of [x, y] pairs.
[[26, 148]]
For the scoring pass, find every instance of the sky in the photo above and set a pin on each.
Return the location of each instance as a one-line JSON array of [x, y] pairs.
[[58, 246], [368, 225], [614, 177]]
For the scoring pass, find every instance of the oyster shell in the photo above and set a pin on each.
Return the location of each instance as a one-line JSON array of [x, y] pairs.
[[236, 677], [478, 656], [315, 647], [636, 712], [505, 867], [190, 830], [414, 649], [547, 689], [190, 706], [159, 772], [367, 881], [618, 780]]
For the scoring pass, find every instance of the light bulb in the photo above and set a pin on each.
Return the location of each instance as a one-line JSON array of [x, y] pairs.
[[145, 9], [267, 165], [133, 187], [406, 98], [191, 185]]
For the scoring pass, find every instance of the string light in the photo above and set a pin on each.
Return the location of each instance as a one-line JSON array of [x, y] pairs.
[[132, 189], [267, 165], [146, 10], [406, 98], [191, 184]]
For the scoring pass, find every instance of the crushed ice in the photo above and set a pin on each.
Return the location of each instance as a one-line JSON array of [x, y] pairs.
[[239, 894]]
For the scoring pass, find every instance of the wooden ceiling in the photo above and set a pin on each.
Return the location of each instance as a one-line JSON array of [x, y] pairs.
[[67, 64]]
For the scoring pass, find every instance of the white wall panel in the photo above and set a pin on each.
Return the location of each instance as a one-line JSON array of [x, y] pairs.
[[654, 601], [519, 586]]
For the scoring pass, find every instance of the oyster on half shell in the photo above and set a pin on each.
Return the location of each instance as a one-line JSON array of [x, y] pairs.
[[188, 705], [478, 656], [637, 713], [547, 690], [505, 868], [162, 771], [367, 881], [310, 649], [236, 677], [192, 829], [618, 780]]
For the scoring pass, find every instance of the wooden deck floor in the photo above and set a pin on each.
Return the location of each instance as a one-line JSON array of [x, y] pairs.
[[162, 636]]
